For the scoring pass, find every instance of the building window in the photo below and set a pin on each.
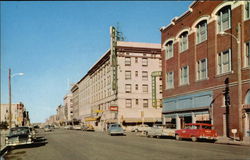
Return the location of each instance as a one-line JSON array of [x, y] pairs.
[[184, 75], [145, 88], [144, 62], [201, 34], [169, 50], [247, 55], [136, 86], [127, 75], [183, 43], [127, 61], [169, 80], [128, 88], [224, 19], [224, 62], [247, 10], [145, 103], [136, 59], [136, 73], [144, 75], [202, 69], [128, 103], [136, 101]]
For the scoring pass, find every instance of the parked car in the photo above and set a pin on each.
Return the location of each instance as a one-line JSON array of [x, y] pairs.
[[140, 128], [33, 132], [68, 127], [88, 127], [161, 131], [196, 131], [77, 127], [19, 136], [47, 128], [115, 129]]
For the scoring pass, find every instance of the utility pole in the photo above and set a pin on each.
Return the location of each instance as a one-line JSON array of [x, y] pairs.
[[227, 104], [10, 116]]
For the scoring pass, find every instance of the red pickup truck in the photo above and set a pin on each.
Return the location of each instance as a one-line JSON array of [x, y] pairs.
[[196, 131]]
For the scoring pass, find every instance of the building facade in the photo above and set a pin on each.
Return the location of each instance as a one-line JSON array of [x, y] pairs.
[[75, 101], [18, 113], [206, 66], [131, 102], [68, 107]]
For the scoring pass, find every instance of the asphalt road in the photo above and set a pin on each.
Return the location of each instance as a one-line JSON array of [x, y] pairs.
[[79, 145]]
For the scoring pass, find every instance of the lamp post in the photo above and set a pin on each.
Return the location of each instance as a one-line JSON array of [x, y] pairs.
[[11, 76], [238, 40]]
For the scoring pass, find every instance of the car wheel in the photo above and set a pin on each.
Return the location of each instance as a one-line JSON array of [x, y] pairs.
[[194, 139], [177, 137]]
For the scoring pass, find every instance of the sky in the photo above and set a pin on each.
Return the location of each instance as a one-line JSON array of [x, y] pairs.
[[55, 43]]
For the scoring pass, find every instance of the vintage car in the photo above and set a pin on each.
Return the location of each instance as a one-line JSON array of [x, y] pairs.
[[88, 127], [115, 129], [47, 128], [140, 128], [196, 131], [19, 136], [161, 131]]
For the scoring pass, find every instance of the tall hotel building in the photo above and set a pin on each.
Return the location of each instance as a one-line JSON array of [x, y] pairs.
[[206, 66], [118, 87]]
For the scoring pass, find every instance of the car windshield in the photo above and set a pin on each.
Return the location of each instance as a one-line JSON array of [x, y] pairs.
[[17, 131], [116, 125]]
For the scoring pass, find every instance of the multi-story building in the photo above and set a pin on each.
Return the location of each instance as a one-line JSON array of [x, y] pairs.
[[75, 101], [61, 116], [17, 112], [206, 52], [125, 97], [68, 110]]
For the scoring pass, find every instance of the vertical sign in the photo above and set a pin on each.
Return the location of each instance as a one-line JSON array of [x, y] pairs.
[[154, 98], [113, 58]]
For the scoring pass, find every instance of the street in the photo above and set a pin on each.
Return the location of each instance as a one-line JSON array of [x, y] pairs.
[[79, 145]]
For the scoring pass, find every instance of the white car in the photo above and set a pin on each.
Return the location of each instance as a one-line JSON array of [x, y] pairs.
[[140, 128], [77, 127], [161, 131]]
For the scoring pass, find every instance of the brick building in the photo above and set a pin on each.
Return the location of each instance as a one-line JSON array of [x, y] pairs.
[[200, 53]]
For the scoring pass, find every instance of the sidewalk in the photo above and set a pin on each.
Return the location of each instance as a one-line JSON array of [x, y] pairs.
[[231, 141]]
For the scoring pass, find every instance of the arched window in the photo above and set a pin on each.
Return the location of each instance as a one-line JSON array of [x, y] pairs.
[[247, 10], [169, 50], [247, 99], [183, 43], [201, 34], [224, 18]]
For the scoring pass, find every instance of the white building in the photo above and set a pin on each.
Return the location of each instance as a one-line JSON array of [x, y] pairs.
[[122, 93]]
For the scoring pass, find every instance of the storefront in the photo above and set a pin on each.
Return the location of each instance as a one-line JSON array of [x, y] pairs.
[[192, 108]]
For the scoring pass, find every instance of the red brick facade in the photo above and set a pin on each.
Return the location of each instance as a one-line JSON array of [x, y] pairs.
[[209, 49]]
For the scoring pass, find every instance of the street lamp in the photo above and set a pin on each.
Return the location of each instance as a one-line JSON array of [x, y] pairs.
[[238, 40], [11, 76]]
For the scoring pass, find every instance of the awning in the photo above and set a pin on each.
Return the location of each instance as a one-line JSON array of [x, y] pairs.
[[139, 120], [90, 119]]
